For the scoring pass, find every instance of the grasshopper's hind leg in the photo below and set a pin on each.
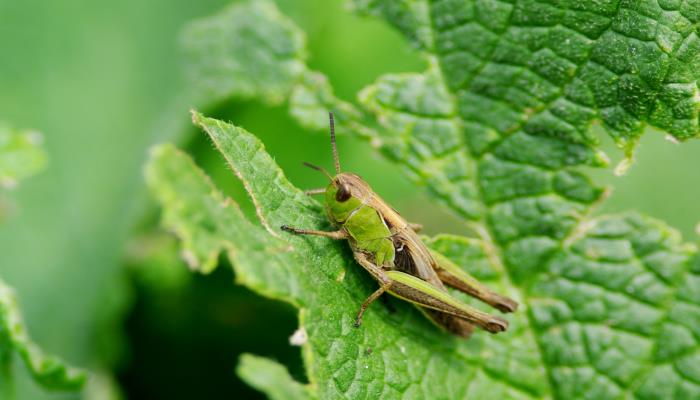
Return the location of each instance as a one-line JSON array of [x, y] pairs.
[[422, 293], [451, 275], [450, 323]]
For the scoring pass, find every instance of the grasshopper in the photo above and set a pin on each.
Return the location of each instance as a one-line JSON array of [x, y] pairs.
[[389, 248]]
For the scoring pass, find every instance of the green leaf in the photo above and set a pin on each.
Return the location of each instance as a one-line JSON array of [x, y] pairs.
[[311, 99], [314, 274], [549, 70], [412, 18], [251, 51], [49, 371], [498, 130], [248, 50], [20, 155], [594, 310], [272, 378]]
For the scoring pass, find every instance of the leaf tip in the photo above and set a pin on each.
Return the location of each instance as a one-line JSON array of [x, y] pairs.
[[197, 117], [672, 139], [601, 159], [159, 149], [624, 165]]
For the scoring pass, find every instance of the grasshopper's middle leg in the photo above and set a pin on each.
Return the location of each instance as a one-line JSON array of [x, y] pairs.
[[372, 297], [379, 274]]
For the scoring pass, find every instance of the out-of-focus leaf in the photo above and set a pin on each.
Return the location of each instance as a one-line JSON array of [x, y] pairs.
[[49, 371], [312, 98], [92, 76], [271, 378], [248, 50], [21, 155], [154, 261], [251, 51]]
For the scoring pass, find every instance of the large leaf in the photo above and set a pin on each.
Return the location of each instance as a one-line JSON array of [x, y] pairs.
[[548, 69], [497, 129], [316, 275], [600, 302]]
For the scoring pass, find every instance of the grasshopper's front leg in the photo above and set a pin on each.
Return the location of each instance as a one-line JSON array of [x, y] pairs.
[[314, 192], [337, 235]]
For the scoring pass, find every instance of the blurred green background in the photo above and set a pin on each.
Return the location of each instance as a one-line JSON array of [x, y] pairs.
[[98, 284]]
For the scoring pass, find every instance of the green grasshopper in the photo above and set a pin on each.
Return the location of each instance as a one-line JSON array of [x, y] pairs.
[[389, 249]]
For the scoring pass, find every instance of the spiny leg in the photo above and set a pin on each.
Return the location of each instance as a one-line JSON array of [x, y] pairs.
[[450, 323], [452, 275], [502, 303], [422, 293], [372, 297], [337, 235], [377, 273]]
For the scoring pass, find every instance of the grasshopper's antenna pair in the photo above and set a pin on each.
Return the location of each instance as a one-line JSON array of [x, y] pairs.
[[336, 159]]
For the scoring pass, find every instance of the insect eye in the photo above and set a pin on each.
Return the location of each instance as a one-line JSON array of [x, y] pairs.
[[343, 194]]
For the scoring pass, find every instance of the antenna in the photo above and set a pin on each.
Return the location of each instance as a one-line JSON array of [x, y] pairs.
[[320, 169], [336, 160]]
